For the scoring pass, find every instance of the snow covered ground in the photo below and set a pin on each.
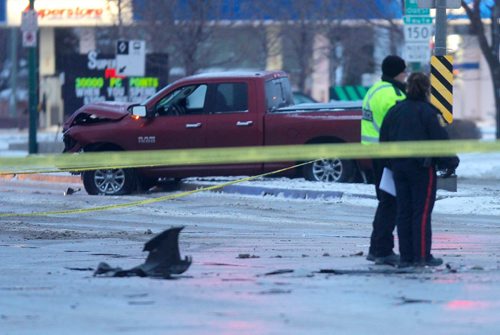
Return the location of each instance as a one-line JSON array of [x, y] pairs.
[[478, 187], [478, 180]]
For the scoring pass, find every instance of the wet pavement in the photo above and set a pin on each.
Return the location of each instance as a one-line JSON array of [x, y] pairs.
[[261, 265]]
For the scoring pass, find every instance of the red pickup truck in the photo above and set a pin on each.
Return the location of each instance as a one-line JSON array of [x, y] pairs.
[[229, 109]]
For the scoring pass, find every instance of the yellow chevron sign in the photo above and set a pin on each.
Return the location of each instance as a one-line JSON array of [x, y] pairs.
[[442, 85]]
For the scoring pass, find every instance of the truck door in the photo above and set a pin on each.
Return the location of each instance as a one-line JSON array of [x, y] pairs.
[[179, 119], [178, 123], [233, 121]]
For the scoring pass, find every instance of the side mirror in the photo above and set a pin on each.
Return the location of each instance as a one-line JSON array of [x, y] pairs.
[[139, 110]]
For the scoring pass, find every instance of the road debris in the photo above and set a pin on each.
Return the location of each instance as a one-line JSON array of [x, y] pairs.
[[278, 272], [71, 191], [245, 256], [405, 300], [163, 260]]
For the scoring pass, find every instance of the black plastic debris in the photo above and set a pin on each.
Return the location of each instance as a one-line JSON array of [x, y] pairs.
[[71, 190], [405, 300], [278, 272], [163, 259], [80, 269], [245, 256], [372, 270]]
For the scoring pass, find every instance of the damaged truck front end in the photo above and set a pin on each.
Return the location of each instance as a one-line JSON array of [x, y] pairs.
[[90, 129], [88, 116]]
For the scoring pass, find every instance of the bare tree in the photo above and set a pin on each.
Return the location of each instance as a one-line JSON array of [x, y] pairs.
[[123, 13], [490, 49], [299, 32], [184, 29], [267, 37], [346, 25]]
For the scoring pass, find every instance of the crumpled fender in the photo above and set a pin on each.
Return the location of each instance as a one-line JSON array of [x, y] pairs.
[[100, 111]]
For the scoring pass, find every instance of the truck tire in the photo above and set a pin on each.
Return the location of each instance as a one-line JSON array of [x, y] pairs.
[[330, 170], [109, 181]]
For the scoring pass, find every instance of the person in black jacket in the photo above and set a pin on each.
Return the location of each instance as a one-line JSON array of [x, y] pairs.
[[416, 119]]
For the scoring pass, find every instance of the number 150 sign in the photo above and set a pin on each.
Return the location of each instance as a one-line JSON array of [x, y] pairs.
[[418, 32]]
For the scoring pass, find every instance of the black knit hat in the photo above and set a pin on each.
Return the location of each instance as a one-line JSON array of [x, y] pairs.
[[392, 66]]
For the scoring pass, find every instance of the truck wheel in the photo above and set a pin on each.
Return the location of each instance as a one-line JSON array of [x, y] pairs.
[[109, 181], [330, 170]]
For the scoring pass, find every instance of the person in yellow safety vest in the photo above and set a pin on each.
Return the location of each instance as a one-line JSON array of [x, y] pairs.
[[377, 102]]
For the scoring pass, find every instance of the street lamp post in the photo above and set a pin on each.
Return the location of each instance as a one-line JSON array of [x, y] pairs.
[[33, 97]]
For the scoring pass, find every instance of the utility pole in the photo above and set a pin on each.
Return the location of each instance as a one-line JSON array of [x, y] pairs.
[[33, 96], [441, 63], [120, 19], [441, 21], [13, 73], [441, 28]]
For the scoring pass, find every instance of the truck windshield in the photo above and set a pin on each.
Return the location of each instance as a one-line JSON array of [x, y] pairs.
[[160, 92], [278, 94]]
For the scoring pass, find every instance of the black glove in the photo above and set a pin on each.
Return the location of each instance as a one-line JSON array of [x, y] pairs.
[[447, 173], [448, 163], [454, 161]]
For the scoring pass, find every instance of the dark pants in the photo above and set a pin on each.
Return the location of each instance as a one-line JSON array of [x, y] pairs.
[[382, 239], [416, 194]]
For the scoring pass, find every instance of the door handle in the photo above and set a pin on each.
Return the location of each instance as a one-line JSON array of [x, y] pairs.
[[193, 125], [244, 123]]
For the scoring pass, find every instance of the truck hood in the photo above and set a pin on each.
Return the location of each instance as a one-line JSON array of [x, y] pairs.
[[98, 112]]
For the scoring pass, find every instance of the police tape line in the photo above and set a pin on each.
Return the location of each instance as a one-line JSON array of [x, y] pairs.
[[148, 201], [238, 155]]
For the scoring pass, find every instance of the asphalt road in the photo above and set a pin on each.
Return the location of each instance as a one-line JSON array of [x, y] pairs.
[[236, 242]]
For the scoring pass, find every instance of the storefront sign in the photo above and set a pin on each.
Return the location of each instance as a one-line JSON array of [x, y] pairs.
[[63, 13], [93, 78]]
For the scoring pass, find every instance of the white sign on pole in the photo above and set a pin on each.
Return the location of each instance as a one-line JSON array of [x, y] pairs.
[[417, 52], [29, 20], [131, 58], [418, 32]]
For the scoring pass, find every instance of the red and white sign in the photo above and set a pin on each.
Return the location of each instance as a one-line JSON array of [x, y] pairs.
[[29, 39], [65, 13]]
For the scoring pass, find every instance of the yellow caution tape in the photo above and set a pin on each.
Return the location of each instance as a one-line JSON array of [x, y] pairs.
[[286, 153], [307, 153]]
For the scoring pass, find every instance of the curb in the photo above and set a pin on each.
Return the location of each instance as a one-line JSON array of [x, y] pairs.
[[44, 177], [230, 189], [263, 191]]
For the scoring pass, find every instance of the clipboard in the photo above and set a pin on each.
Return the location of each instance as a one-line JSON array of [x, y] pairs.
[[387, 182]]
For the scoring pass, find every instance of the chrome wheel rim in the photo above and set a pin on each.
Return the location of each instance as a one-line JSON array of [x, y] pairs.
[[328, 170], [109, 181]]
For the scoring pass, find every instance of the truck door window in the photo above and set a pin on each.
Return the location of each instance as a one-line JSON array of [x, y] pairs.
[[231, 98], [278, 94], [183, 101]]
